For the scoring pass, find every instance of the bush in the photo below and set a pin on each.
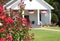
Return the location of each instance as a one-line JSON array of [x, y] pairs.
[[54, 18]]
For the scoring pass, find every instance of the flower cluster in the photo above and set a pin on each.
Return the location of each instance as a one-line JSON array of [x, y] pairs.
[[1, 8], [5, 22], [2, 39], [11, 30], [24, 21]]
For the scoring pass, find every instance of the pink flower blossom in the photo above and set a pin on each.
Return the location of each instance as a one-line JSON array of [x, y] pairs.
[[9, 37], [24, 21], [2, 30], [1, 8], [2, 16], [2, 39], [19, 18], [9, 20]]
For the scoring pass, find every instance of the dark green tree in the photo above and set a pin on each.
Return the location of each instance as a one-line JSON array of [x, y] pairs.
[[55, 4], [54, 18]]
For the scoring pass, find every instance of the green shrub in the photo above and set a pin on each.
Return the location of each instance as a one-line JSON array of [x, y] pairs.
[[54, 18]]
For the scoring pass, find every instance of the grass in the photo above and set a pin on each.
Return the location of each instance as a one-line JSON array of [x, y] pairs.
[[54, 27], [57, 28], [42, 35]]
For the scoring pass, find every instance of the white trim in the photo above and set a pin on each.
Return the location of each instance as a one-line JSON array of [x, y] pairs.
[[11, 5], [26, 2], [38, 17], [8, 3], [23, 14], [50, 16], [32, 5], [48, 4]]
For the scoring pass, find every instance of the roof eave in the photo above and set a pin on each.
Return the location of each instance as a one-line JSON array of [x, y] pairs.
[[9, 3], [48, 5]]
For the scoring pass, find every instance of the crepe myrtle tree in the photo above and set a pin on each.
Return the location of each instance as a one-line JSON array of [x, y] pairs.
[[11, 30]]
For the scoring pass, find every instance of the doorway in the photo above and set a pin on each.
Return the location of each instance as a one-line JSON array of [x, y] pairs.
[[40, 16], [26, 16], [28, 20]]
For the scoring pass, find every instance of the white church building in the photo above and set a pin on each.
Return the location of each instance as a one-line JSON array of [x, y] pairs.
[[38, 11]]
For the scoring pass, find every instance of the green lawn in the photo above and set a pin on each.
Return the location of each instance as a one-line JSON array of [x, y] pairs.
[[43, 35], [56, 28]]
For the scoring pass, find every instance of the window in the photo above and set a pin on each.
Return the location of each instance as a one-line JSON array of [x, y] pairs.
[[31, 11], [33, 22], [44, 11]]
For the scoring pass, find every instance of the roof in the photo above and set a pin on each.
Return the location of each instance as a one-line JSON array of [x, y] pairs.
[[9, 3], [35, 4], [48, 4]]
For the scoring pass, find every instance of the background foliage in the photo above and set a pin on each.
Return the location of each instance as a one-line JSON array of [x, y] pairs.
[[54, 18], [56, 5]]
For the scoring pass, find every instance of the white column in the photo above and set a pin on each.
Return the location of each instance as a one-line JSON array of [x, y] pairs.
[[8, 12], [38, 17], [49, 16], [23, 14]]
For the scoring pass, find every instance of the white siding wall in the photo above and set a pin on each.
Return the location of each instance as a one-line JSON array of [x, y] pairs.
[[46, 18], [32, 17], [49, 16]]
